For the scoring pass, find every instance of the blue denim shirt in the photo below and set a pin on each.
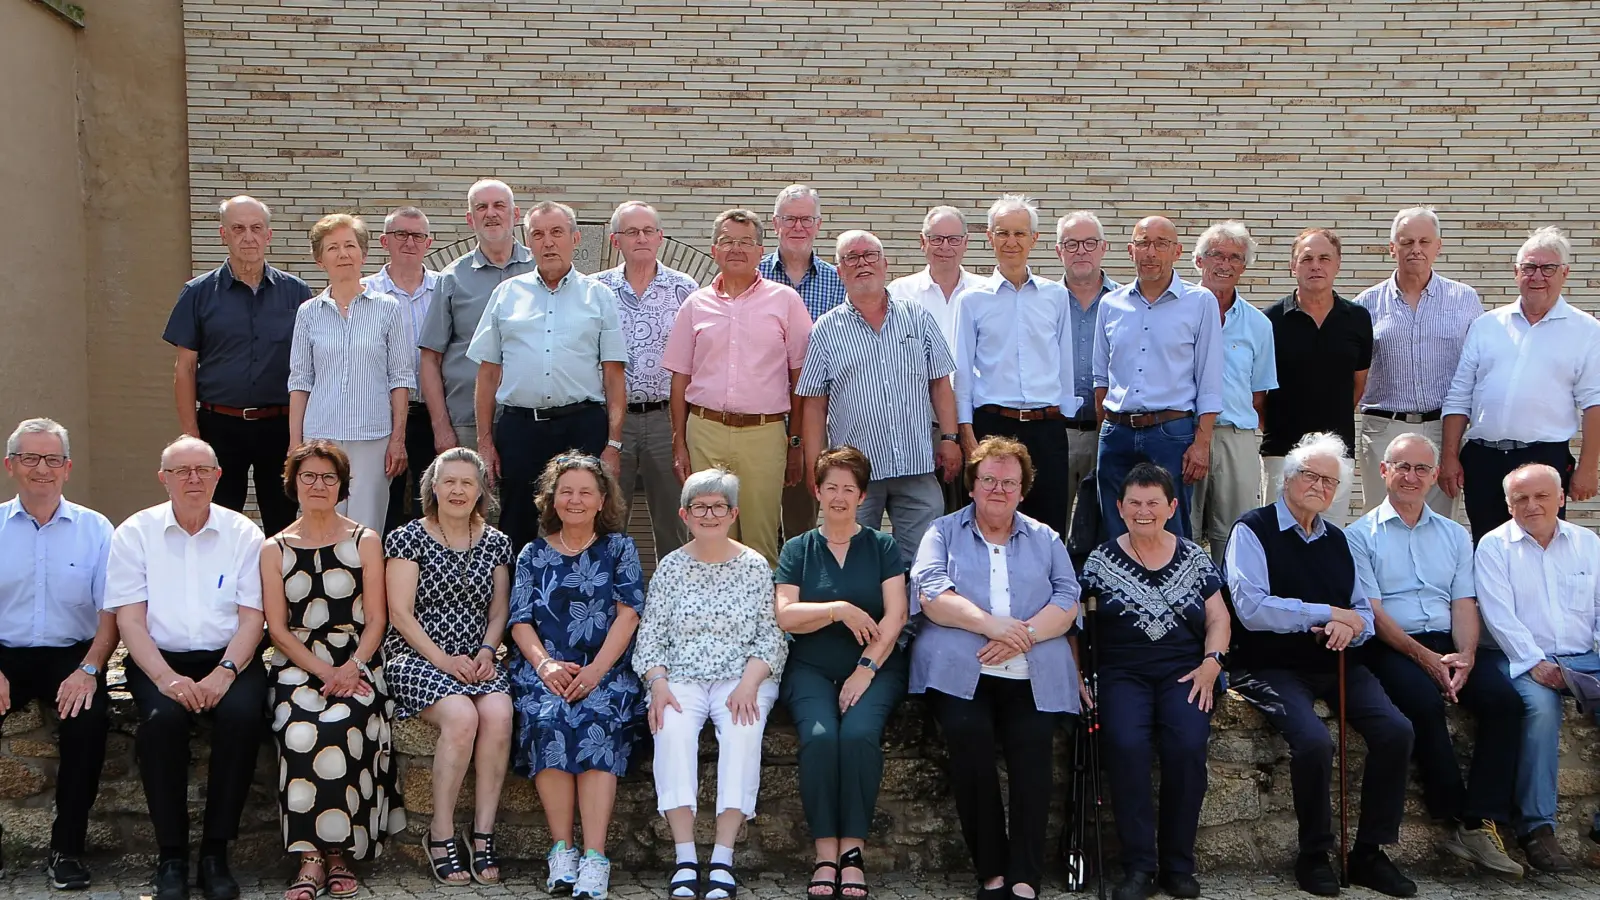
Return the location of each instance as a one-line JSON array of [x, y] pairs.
[[953, 555]]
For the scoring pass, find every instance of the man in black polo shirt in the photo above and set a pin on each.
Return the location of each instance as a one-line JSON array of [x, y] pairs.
[[1323, 344], [232, 327]]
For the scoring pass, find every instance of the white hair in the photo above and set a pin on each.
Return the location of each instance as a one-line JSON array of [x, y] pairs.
[[1231, 231], [405, 212], [1547, 238], [544, 207], [1413, 212], [1388, 452], [854, 235], [710, 482], [38, 426], [1073, 218], [484, 184], [1505, 483], [243, 200], [937, 211], [184, 441], [430, 503], [797, 192], [1324, 445], [1010, 203], [628, 206]]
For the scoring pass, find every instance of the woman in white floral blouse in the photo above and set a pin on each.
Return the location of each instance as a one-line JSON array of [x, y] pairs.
[[709, 647]]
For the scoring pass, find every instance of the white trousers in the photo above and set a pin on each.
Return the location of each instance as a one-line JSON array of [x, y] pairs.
[[1272, 488], [1373, 440], [369, 487], [677, 757]]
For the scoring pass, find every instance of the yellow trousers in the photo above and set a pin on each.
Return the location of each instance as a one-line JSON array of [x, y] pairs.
[[758, 455]]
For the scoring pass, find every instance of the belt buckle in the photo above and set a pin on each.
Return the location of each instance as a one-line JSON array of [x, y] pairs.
[[248, 413], [537, 417], [1139, 420], [1411, 418]]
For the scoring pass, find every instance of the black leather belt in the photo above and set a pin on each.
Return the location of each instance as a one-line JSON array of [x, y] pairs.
[[647, 406], [1083, 425], [1410, 418], [551, 412]]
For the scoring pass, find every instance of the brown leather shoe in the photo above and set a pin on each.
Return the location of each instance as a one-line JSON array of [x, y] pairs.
[[1543, 852]]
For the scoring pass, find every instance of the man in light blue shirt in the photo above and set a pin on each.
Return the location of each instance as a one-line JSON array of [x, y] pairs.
[[550, 351], [1157, 374], [1081, 246], [55, 635]]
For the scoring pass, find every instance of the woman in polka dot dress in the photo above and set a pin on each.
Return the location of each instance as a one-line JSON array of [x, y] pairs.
[[323, 594]]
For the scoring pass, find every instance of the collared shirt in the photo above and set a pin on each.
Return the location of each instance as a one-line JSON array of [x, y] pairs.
[[954, 556], [1161, 355], [1417, 571], [1014, 346], [550, 343], [1248, 363], [821, 288], [458, 303], [1540, 602], [242, 336], [876, 383], [192, 584], [1317, 369], [413, 308], [1251, 587], [921, 288], [646, 322], [1083, 330], [349, 364], [738, 351], [52, 575], [1525, 382], [1415, 351]]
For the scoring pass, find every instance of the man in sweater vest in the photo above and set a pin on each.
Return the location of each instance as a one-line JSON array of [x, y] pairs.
[[1298, 603]]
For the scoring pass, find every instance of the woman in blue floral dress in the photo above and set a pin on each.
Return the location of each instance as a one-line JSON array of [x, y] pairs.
[[580, 708]]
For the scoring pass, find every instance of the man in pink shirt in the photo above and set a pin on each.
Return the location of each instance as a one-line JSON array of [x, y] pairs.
[[735, 353]]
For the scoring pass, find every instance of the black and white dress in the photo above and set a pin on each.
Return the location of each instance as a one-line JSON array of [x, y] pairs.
[[454, 588]]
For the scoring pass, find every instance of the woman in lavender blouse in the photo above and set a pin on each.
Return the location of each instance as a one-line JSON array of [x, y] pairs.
[[996, 595]]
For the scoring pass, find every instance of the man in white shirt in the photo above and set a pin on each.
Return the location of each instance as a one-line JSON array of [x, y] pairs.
[[1526, 369], [185, 580], [1538, 581]]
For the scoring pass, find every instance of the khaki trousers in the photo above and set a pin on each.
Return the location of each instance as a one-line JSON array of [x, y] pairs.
[[1373, 439], [1231, 488], [758, 455]]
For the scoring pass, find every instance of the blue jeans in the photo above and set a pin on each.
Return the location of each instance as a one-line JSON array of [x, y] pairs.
[[1122, 447], [1541, 736]]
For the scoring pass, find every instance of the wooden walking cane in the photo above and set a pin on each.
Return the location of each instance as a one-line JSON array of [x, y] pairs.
[[1344, 804]]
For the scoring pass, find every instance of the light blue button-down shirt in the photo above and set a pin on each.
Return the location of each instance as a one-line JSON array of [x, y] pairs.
[[550, 343], [1248, 363], [52, 575], [1014, 346], [1161, 355], [1416, 571], [1261, 610]]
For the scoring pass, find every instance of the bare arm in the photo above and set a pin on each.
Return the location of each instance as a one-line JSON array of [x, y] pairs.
[[184, 392], [814, 436], [614, 379], [297, 417], [499, 607], [374, 598], [430, 380], [400, 582], [105, 641], [131, 622]]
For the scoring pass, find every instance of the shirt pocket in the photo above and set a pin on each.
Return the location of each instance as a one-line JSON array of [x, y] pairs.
[[72, 585], [1577, 592]]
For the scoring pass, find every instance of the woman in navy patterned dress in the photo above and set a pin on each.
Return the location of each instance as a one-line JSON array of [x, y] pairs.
[[580, 708]]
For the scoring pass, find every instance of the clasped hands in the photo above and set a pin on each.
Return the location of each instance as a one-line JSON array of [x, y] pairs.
[[1342, 628], [568, 680], [1007, 637]]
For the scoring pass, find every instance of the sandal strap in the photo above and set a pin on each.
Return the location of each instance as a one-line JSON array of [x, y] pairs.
[[852, 859], [450, 863], [824, 864]]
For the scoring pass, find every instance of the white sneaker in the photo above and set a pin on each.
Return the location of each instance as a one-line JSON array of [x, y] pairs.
[[563, 862], [594, 877]]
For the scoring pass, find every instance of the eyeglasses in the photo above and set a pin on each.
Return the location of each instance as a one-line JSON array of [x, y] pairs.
[[1548, 270], [737, 243], [1161, 246], [29, 460], [941, 240], [408, 237], [865, 258], [1009, 235], [328, 479], [788, 221], [1313, 479], [184, 473], [714, 510], [1421, 470], [1088, 246], [1005, 486], [1234, 259], [634, 233]]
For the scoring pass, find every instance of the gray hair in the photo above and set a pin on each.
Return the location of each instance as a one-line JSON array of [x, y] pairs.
[[1010, 203], [405, 212], [718, 481], [430, 503], [1547, 238], [1323, 444], [243, 200], [545, 207], [738, 217], [853, 235], [797, 192], [937, 211], [1505, 483], [38, 426], [1231, 231], [1388, 452], [1073, 218], [1413, 212], [484, 184], [187, 440], [628, 206]]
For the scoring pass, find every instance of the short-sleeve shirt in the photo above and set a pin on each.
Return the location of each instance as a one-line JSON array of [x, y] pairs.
[[550, 343], [807, 563], [738, 351], [1151, 619], [820, 288], [458, 303], [242, 336], [1316, 372], [646, 323]]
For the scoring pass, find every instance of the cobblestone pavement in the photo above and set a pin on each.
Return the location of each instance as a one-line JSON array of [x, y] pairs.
[[123, 881]]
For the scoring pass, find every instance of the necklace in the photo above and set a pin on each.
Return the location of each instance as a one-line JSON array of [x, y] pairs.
[[464, 566], [846, 540], [571, 552], [1137, 555]]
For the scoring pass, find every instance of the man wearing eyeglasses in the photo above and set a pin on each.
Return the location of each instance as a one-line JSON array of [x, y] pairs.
[[1157, 374], [649, 295], [1419, 325], [1525, 371], [55, 632], [406, 239], [1081, 246]]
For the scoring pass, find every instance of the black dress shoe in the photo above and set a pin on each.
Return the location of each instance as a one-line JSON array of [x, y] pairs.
[[1181, 885], [1315, 875], [172, 880], [216, 882], [1135, 886], [1374, 870]]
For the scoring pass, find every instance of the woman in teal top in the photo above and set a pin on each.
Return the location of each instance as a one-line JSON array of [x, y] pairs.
[[842, 596]]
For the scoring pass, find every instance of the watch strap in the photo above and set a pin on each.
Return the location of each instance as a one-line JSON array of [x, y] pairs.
[[229, 665], [867, 663]]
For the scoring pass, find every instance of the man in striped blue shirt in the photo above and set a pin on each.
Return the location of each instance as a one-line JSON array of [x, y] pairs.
[[875, 372]]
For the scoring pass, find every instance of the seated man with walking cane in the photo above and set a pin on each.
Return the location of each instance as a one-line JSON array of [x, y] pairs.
[[1298, 604]]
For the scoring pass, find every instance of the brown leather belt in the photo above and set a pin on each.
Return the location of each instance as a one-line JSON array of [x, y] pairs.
[[249, 414], [1023, 415], [1147, 419], [736, 420]]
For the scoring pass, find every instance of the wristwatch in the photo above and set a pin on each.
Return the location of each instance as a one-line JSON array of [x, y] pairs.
[[794, 440], [228, 664], [952, 438], [615, 445], [1033, 632], [867, 663], [1220, 657], [89, 669]]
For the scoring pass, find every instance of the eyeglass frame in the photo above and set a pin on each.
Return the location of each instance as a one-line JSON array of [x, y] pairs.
[[702, 511], [46, 458], [184, 473], [409, 237]]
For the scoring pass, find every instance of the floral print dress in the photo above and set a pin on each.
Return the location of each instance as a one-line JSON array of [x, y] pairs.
[[572, 602]]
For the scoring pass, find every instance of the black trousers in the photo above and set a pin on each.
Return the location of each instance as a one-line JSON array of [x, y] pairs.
[[1489, 791], [526, 445], [241, 446], [162, 746], [36, 673], [1285, 696], [405, 501], [1484, 469], [1046, 440], [1000, 722]]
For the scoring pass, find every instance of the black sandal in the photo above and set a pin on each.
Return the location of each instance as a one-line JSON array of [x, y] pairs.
[[731, 890], [448, 864], [852, 859], [483, 859], [693, 884], [831, 884]]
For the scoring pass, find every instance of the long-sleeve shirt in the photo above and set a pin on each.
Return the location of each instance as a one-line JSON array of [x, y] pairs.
[[349, 364], [1540, 602], [1162, 355], [1417, 571], [1014, 346], [1526, 382], [1258, 608], [704, 621]]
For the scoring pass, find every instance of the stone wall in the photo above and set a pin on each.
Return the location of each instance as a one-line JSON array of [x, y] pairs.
[[1247, 823]]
